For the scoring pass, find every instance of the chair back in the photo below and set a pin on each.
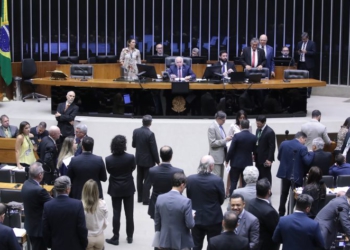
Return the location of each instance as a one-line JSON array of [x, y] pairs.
[[19, 176], [8, 195], [296, 74], [68, 60], [170, 60], [265, 72], [343, 181], [28, 68], [5, 176], [328, 181]]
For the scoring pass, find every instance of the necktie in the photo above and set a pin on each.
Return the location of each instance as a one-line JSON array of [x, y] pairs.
[[236, 229], [223, 67], [263, 49], [179, 73], [253, 59], [7, 133], [222, 132], [67, 106], [258, 136]]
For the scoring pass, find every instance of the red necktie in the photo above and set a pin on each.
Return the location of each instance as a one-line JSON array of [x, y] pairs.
[[67, 106], [253, 59]]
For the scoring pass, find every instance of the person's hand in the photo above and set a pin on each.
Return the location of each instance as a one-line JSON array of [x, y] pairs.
[[248, 67], [71, 123], [229, 70], [172, 76], [57, 114], [340, 193], [20, 166], [260, 67], [187, 77], [303, 51], [229, 138], [272, 74], [268, 163]]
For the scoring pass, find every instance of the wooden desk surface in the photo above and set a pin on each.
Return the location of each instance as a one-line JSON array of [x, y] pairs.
[[6, 185], [109, 83]]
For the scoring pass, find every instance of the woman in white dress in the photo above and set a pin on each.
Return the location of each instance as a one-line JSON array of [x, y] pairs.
[[129, 57]]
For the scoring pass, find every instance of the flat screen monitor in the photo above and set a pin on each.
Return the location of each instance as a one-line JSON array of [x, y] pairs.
[[282, 61], [148, 71], [68, 60], [199, 59], [156, 59], [210, 71], [106, 59]]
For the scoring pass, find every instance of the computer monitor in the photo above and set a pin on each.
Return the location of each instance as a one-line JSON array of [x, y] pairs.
[[112, 59], [199, 59], [148, 71], [68, 60], [283, 61], [156, 59], [211, 72]]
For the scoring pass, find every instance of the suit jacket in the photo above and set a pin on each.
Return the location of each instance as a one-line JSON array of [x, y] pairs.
[[326, 218], [268, 220], [343, 169], [309, 56], [314, 129], [242, 147], [266, 146], [288, 151], [186, 71], [270, 63], [248, 192], [229, 65], [298, 232], [144, 141], [64, 224], [48, 154], [120, 168], [34, 132], [84, 167], [228, 241], [173, 219], [34, 197], [246, 57], [66, 116], [344, 146], [323, 160], [217, 144], [160, 177], [8, 238], [249, 228], [13, 130], [206, 199]]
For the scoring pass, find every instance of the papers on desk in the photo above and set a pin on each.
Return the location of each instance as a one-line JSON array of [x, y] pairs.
[[8, 167], [19, 232], [18, 169], [337, 190]]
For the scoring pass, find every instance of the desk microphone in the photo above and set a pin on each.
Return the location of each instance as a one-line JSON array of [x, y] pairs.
[[286, 134], [139, 77], [290, 62], [78, 67]]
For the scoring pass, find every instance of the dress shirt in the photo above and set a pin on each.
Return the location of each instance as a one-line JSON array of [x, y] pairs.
[[302, 55], [263, 200]]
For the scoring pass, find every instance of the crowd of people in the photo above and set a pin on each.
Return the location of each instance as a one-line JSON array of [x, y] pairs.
[[77, 217]]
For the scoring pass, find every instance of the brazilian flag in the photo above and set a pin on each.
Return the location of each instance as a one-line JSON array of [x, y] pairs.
[[5, 56]]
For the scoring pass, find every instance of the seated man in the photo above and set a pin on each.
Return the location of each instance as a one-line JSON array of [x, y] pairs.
[[7, 130], [195, 52], [179, 70], [159, 49], [340, 167], [227, 67]]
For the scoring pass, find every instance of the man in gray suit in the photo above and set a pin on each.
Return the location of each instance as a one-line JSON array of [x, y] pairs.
[[248, 224], [333, 216], [217, 142], [7, 130], [314, 129], [173, 217]]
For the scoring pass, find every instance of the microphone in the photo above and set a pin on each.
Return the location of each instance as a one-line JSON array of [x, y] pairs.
[[290, 62], [286, 133], [78, 67]]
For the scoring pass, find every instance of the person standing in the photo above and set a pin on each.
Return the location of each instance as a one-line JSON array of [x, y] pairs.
[[217, 142], [64, 225], [8, 238], [65, 115], [270, 63], [34, 197], [144, 141], [206, 201], [129, 57], [253, 57], [39, 131], [121, 188], [160, 177], [173, 217], [306, 56], [322, 159], [265, 148], [80, 132]]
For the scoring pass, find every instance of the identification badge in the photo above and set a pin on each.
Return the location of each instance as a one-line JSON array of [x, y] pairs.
[[28, 151]]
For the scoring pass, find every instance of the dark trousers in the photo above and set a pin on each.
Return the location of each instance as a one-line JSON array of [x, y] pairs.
[[264, 172], [199, 232], [302, 65], [37, 243], [285, 187], [142, 174], [235, 173], [129, 214]]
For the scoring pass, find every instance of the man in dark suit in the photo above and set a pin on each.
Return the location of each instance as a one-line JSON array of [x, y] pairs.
[[48, 154], [226, 66], [306, 56], [39, 131], [34, 197], [265, 148], [285, 54], [322, 159], [8, 238], [268, 217], [7, 130], [64, 224], [340, 167], [227, 239], [294, 160], [173, 217], [144, 141], [206, 201], [65, 115], [80, 133], [329, 223], [269, 54], [160, 177], [297, 230], [248, 224], [240, 153], [85, 167], [253, 57], [179, 70], [159, 49]]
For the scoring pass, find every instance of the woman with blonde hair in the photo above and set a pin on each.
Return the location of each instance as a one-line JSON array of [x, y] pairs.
[[66, 154], [96, 214]]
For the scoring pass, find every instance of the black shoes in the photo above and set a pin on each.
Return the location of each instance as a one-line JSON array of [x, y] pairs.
[[129, 240], [113, 241]]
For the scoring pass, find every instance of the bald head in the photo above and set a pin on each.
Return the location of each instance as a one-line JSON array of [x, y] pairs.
[[206, 164], [179, 61], [54, 132], [70, 97], [263, 40]]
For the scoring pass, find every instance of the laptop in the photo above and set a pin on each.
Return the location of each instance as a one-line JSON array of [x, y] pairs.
[[255, 78], [237, 77]]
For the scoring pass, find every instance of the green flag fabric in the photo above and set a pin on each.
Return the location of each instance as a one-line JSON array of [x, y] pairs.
[[5, 55]]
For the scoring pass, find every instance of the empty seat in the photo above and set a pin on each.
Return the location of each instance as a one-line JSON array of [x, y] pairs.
[[328, 181], [343, 181], [19, 176], [5, 176], [296, 74], [8, 195], [265, 72]]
